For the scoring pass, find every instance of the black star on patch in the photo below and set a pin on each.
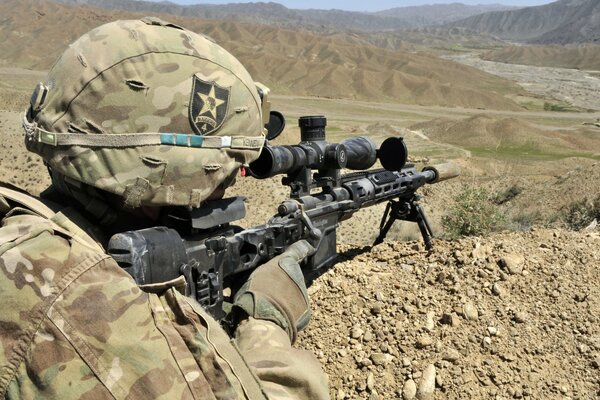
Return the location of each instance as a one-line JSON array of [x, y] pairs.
[[208, 106]]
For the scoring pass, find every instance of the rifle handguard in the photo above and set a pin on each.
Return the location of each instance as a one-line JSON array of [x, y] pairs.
[[443, 171]]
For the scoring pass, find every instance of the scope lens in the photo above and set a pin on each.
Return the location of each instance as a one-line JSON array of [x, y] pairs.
[[393, 153]]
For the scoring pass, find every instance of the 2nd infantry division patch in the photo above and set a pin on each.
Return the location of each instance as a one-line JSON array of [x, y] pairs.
[[208, 106]]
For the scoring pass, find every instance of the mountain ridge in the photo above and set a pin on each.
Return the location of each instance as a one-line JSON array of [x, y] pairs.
[[560, 22], [275, 14]]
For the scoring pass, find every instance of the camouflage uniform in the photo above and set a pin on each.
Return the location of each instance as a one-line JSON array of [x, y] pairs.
[[72, 323]]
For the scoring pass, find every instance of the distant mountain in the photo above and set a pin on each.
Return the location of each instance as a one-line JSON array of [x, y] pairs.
[[319, 20], [34, 32], [436, 14], [561, 22]]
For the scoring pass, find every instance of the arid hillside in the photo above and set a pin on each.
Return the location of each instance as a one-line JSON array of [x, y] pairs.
[[586, 57], [561, 22], [338, 66]]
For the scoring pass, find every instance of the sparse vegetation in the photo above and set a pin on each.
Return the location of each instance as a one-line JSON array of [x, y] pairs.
[[555, 107], [473, 214], [581, 213]]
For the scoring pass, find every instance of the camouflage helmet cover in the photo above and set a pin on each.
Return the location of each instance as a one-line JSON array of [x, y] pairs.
[[149, 111]]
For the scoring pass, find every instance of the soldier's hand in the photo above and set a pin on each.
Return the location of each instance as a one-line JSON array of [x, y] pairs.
[[276, 291]]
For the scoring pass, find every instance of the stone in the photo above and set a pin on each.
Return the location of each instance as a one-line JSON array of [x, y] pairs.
[[370, 382], [424, 341], [513, 263], [498, 290], [520, 317], [430, 323], [356, 332], [377, 308], [451, 355], [409, 390], [450, 319], [427, 384], [380, 358], [470, 312]]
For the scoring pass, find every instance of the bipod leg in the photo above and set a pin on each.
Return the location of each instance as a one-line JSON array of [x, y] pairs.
[[386, 223], [424, 226]]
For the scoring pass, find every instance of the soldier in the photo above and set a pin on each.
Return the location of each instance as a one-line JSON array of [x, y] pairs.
[[136, 116]]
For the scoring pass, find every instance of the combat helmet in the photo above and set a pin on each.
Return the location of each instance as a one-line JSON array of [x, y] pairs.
[[148, 111]]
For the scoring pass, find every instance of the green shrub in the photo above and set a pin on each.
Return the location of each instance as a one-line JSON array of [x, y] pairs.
[[473, 214], [581, 213], [554, 107]]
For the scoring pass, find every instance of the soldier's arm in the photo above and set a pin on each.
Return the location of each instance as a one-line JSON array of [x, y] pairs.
[[274, 306]]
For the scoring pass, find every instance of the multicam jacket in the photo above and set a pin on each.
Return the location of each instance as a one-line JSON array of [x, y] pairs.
[[74, 325]]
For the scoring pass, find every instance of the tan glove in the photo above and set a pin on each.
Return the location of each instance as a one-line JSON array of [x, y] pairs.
[[276, 291]]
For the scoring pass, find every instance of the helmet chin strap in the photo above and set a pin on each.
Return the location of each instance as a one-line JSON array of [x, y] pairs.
[[90, 199]]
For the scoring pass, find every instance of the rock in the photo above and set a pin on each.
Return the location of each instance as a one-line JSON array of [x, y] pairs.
[[377, 308], [341, 395], [356, 332], [492, 330], [520, 317], [498, 290], [368, 337], [480, 252], [593, 225], [406, 362], [451, 355], [430, 323], [409, 390], [365, 362], [450, 319], [513, 263], [596, 362], [381, 359], [370, 382], [409, 309], [470, 312], [424, 341], [408, 268], [427, 384]]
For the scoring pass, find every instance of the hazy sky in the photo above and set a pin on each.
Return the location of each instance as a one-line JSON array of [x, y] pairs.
[[370, 5]]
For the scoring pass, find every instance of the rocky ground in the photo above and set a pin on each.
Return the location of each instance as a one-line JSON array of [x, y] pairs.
[[516, 315]]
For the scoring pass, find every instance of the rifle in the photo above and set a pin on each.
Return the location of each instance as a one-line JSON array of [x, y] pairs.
[[213, 254]]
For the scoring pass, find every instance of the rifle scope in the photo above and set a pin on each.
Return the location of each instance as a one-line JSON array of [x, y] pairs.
[[357, 153]]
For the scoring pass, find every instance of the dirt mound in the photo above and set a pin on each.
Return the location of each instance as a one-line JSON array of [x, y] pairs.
[[295, 62], [585, 57], [510, 316]]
